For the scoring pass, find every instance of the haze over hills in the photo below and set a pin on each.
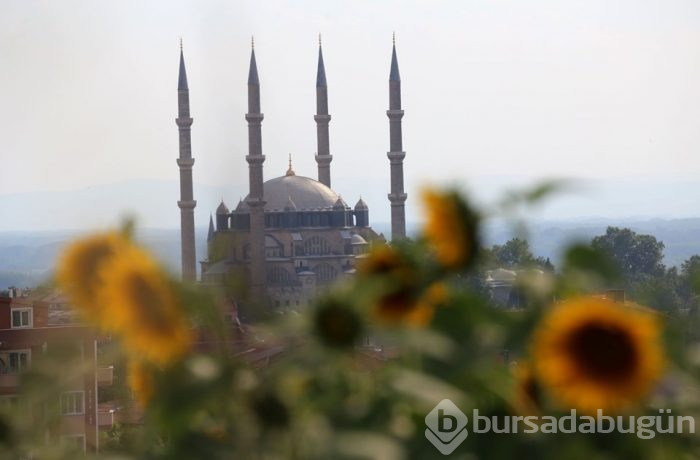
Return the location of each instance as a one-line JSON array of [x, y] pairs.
[[153, 202], [32, 230], [26, 258]]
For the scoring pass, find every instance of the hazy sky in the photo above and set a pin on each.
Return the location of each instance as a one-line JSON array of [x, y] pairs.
[[496, 92]]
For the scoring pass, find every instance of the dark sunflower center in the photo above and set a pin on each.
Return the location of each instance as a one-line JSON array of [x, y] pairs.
[[603, 352]]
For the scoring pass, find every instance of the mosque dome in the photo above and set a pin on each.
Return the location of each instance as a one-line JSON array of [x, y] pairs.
[[305, 193]]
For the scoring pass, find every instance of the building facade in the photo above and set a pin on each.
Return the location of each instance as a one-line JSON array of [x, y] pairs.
[[42, 328]]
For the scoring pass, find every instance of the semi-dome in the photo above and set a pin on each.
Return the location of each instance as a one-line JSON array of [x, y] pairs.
[[357, 239], [304, 192]]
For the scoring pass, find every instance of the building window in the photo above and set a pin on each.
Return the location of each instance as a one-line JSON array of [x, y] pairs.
[[73, 403], [14, 362], [77, 440], [278, 275], [316, 246], [21, 317]]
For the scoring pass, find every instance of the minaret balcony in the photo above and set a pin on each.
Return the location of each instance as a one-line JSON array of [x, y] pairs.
[[394, 114], [255, 159], [183, 122], [254, 117], [396, 157], [189, 204], [255, 202], [322, 118], [397, 199], [185, 163]]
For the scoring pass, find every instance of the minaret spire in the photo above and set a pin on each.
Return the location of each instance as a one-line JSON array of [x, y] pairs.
[[210, 233], [185, 163], [255, 200], [396, 155], [323, 157]]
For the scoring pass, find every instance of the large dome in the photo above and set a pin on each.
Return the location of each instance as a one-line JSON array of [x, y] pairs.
[[305, 193]]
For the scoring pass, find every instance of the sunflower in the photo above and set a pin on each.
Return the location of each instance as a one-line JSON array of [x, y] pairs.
[[593, 354], [141, 381], [404, 306], [79, 270], [385, 260], [143, 309], [450, 229], [401, 298]]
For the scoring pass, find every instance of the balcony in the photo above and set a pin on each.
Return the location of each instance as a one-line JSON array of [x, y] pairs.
[[104, 375]]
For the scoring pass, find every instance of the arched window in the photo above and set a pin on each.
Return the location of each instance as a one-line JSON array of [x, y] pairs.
[[277, 275], [325, 272], [316, 246]]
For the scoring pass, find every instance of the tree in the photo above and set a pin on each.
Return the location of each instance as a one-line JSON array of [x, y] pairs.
[[689, 278], [658, 292], [516, 253], [635, 254]]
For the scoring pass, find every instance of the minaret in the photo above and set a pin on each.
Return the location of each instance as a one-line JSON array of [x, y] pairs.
[[397, 197], [255, 199], [323, 157], [185, 162]]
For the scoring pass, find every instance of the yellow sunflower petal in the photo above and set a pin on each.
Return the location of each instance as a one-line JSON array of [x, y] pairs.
[[526, 390], [79, 269], [141, 307], [141, 381], [450, 229], [403, 306]]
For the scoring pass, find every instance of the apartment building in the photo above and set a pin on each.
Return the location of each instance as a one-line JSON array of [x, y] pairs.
[[39, 330]]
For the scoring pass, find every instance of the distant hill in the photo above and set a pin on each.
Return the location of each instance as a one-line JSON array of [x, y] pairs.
[[27, 258]]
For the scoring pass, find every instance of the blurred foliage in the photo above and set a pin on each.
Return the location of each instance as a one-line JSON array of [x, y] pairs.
[[355, 375]]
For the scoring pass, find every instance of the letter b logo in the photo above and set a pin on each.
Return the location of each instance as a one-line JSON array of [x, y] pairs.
[[446, 427], [442, 426]]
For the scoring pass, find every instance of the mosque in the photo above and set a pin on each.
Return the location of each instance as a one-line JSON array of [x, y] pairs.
[[291, 235]]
